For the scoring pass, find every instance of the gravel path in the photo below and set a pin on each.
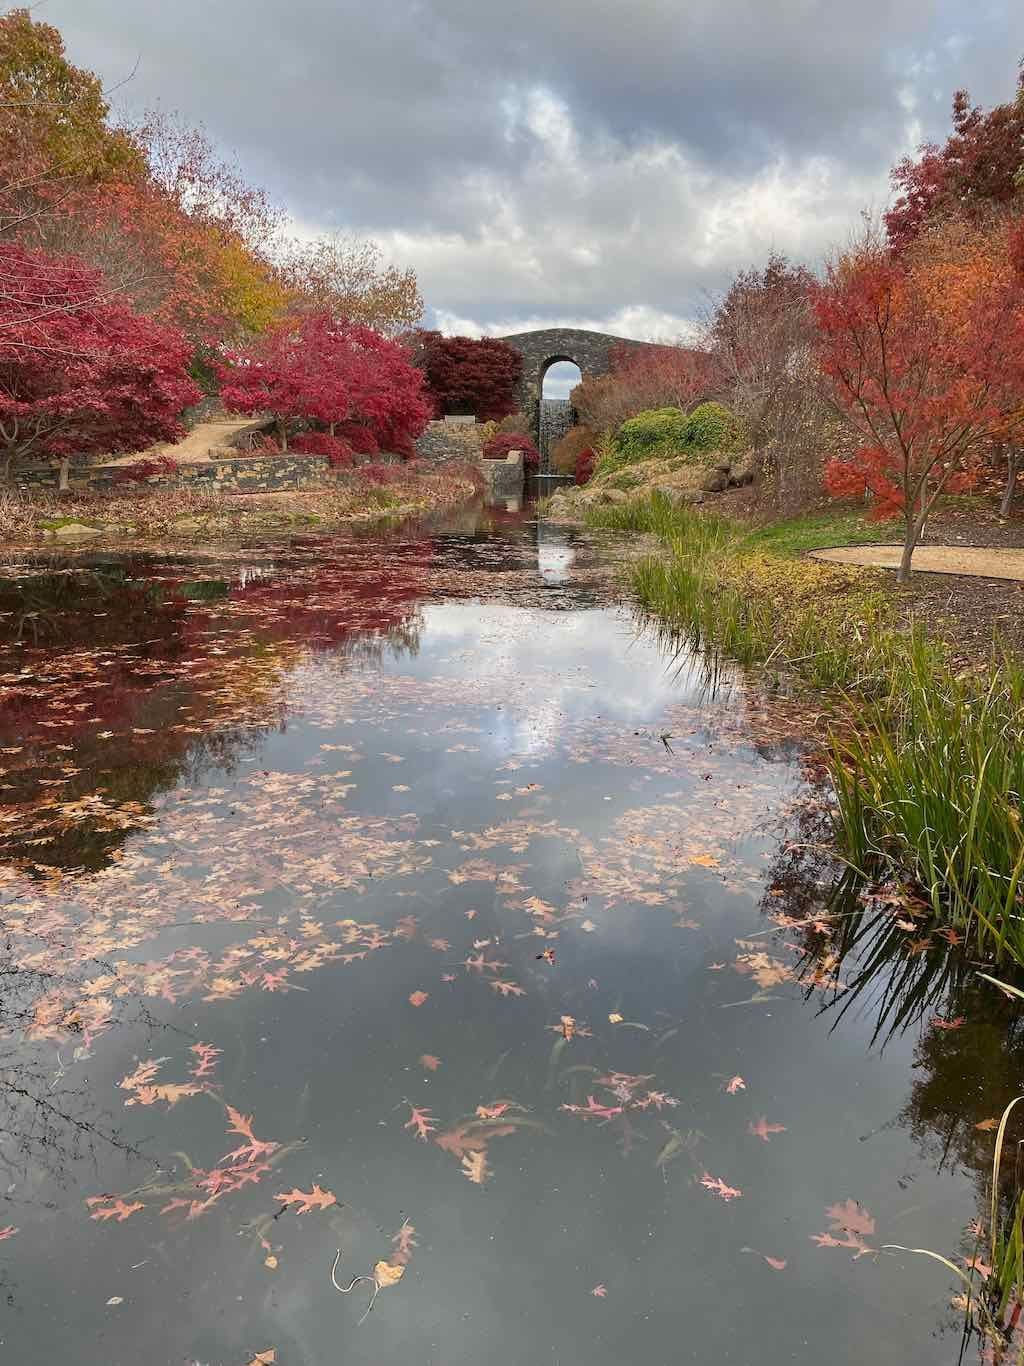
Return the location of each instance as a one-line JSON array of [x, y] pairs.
[[975, 561]]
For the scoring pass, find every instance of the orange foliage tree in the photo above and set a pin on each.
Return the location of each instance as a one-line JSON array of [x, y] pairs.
[[925, 358]]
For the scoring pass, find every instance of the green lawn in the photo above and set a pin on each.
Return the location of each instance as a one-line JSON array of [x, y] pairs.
[[797, 535]]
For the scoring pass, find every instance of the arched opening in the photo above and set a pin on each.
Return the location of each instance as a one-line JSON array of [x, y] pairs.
[[559, 376]]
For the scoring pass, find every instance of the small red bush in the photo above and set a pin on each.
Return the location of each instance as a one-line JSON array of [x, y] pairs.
[[141, 470], [337, 451], [585, 462], [382, 474], [499, 446]]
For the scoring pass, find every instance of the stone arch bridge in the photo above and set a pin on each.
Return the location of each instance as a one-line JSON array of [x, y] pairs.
[[591, 351]]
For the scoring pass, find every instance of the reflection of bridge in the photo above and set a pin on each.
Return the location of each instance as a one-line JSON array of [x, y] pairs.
[[591, 351]]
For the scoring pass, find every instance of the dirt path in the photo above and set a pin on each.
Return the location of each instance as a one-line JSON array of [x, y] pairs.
[[974, 561], [196, 446]]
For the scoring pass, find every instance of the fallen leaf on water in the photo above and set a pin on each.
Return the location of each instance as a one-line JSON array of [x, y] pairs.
[[568, 1026], [704, 861], [776, 1263], [850, 1216], [116, 1209], [939, 1023], [735, 1084], [614, 1017], [508, 988], [762, 1129], [421, 1120], [386, 1273], [315, 1199], [986, 1125], [430, 1062], [116, 1299], [474, 1166], [588, 926], [266, 1358], [718, 1186], [599, 1291], [715, 967], [471, 915], [7, 1232], [416, 998]]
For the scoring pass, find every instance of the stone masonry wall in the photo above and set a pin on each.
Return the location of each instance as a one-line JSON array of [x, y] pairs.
[[244, 474]]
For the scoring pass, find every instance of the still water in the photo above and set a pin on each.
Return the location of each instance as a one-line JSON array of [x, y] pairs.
[[402, 895]]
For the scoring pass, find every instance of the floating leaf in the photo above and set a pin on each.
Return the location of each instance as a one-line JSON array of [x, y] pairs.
[[416, 998], [315, 1199], [718, 1186], [387, 1273], [763, 1130], [430, 1062], [474, 1166], [599, 1292], [735, 1084], [421, 1120]]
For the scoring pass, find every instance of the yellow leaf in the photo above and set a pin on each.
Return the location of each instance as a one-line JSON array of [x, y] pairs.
[[270, 1261], [614, 1018], [386, 1273]]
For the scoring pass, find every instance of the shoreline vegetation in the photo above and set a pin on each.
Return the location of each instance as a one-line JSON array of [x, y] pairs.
[[37, 517], [925, 750]]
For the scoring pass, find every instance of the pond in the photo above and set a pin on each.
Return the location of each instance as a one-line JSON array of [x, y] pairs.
[[403, 895]]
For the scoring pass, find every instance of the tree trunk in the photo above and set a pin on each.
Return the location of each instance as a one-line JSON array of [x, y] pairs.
[[903, 573], [333, 425], [65, 466], [1012, 464], [282, 432]]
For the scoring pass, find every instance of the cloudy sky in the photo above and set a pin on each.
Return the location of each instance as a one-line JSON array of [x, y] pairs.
[[604, 163]]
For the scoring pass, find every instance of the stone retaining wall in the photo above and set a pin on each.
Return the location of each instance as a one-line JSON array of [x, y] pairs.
[[243, 474]]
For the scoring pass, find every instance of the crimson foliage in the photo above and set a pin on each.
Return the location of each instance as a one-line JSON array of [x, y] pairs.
[[80, 373], [337, 450], [469, 375], [343, 375], [585, 462], [980, 164], [499, 446]]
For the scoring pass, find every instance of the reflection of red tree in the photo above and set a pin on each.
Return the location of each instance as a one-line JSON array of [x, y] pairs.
[[142, 684]]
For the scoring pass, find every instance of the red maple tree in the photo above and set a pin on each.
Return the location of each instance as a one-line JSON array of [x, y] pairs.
[[980, 164], [468, 374], [316, 369], [80, 373], [925, 358]]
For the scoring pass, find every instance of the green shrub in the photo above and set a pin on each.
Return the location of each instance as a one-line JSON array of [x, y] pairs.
[[653, 434], [712, 427]]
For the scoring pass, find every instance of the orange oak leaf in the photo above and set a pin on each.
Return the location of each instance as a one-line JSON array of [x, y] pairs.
[[987, 1125], [266, 1358], [776, 1263], [385, 1273], [416, 998], [850, 1217], [421, 1120], [718, 1186], [206, 1059], [474, 1166], [430, 1062], [315, 1199], [735, 1084], [115, 1209], [403, 1242], [508, 988], [493, 1111], [254, 1148], [8, 1232], [762, 1129], [939, 1023]]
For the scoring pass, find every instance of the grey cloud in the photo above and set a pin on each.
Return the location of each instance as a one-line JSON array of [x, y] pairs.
[[562, 158]]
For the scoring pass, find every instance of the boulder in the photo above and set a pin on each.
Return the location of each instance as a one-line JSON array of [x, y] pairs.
[[676, 496], [716, 483], [75, 529]]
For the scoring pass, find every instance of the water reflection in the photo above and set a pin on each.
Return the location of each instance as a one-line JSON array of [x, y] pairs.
[[405, 871]]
